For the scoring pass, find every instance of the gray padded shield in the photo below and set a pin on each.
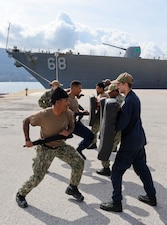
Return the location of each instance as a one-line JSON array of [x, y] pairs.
[[92, 116], [107, 131], [102, 104]]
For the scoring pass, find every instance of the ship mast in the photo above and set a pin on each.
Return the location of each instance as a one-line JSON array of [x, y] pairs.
[[7, 36], [57, 72]]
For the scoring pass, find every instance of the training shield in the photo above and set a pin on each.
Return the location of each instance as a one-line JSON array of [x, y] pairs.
[[92, 116], [107, 130]]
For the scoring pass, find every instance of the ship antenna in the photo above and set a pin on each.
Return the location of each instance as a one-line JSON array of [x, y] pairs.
[[7, 36]]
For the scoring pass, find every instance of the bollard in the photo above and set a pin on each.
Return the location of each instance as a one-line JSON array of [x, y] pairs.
[[26, 91]]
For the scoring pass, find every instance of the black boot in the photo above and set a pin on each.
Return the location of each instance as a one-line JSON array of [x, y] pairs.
[[21, 201], [80, 152], [92, 146], [73, 190], [112, 207], [104, 171], [148, 200]]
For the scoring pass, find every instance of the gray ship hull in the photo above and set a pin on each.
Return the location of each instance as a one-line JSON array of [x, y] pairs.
[[90, 69]]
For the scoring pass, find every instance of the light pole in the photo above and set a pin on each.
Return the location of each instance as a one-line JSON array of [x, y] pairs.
[[57, 66]]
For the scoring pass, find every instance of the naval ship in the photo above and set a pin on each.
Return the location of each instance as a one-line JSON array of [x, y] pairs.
[[92, 69]]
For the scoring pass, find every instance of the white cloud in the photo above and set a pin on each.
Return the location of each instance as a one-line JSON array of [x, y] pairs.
[[65, 34]]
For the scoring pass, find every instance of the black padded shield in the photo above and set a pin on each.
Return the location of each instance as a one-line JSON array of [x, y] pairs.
[[107, 131], [102, 104], [92, 116]]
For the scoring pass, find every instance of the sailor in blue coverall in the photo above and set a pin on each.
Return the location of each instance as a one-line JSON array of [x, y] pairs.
[[132, 151]]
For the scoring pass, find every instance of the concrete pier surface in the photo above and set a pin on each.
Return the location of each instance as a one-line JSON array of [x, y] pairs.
[[48, 203]]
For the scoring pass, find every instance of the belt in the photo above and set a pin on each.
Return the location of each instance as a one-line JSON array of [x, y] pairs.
[[50, 146]]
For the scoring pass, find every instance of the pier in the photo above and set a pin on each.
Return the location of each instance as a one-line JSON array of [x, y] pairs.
[[48, 203]]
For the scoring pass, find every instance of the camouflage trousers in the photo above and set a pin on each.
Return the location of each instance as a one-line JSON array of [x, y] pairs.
[[43, 160], [95, 130], [117, 140]]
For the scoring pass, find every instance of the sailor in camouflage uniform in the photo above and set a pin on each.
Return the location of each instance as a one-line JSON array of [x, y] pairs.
[[54, 120], [101, 94], [113, 93], [44, 101], [106, 83]]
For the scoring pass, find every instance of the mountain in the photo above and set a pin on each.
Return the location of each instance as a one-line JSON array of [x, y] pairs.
[[9, 72]]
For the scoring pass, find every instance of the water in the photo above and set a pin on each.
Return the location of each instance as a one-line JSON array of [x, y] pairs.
[[12, 87]]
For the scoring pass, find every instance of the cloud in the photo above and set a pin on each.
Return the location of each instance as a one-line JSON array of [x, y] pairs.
[[64, 34], [152, 50]]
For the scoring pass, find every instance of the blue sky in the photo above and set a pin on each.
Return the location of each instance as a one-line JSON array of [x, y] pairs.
[[84, 25]]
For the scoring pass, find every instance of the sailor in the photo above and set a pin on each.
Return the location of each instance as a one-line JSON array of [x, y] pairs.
[[44, 100], [113, 93], [54, 120], [80, 129], [132, 148], [106, 83], [96, 125]]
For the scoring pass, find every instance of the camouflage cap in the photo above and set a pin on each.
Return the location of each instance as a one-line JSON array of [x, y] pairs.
[[125, 78], [113, 86], [55, 82], [107, 81]]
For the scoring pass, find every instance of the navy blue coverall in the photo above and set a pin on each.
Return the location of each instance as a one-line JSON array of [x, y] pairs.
[[132, 151]]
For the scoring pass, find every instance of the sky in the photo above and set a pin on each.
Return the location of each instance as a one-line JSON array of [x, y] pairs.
[[83, 26]]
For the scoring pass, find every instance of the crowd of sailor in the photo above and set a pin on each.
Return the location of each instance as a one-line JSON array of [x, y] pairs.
[[114, 115]]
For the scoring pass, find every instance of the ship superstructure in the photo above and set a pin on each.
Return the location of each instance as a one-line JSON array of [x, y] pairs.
[[91, 69]]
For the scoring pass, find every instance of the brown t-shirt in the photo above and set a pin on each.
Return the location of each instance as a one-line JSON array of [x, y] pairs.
[[52, 124], [73, 103]]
